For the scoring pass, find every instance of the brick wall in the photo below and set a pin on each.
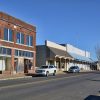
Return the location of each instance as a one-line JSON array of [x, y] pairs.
[[4, 24]]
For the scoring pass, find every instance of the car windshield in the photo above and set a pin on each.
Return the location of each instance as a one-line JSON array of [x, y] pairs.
[[74, 67], [44, 67]]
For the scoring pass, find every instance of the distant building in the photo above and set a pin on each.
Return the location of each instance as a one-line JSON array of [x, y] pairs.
[[98, 65], [81, 57], [17, 45], [63, 56]]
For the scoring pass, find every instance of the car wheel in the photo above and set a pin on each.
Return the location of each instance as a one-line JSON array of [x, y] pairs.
[[47, 74], [78, 71], [54, 73]]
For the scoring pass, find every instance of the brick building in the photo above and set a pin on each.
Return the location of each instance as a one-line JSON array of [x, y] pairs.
[[17, 45]]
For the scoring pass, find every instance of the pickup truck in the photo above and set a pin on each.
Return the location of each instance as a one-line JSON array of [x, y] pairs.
[[46, 70]]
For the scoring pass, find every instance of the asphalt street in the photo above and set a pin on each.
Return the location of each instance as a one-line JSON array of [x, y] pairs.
[[82, 86]]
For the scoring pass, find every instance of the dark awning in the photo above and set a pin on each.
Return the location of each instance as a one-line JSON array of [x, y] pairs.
[[53, 52]]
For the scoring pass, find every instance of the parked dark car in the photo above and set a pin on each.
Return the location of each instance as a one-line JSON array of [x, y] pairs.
[[74, 69]]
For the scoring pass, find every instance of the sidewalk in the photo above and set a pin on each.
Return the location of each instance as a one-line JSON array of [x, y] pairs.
[[20, 75], [60, 72], [16, 76]]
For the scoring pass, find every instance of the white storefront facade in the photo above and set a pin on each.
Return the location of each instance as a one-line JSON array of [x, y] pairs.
[[63, 56]]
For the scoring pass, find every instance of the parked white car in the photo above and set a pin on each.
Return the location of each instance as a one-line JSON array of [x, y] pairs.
[[46, 70]]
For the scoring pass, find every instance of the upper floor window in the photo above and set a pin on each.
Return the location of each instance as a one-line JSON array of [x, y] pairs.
[[8, 34], [29, 40], [20, 38]]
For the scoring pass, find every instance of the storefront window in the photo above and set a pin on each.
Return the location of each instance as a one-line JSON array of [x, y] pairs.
[[0, 50], [19, 52], [16, 52], [28, 54], [4, 50], [23, 53], [8, 51], [31, 54]]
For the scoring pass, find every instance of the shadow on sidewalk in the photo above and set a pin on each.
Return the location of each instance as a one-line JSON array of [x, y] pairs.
[[92, 97]]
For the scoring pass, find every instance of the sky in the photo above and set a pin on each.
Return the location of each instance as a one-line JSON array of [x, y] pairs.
[[76, 22]]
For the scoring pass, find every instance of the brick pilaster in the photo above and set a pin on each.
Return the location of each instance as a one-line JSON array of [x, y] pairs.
[[1, 35], [12, 60], [34, 61]]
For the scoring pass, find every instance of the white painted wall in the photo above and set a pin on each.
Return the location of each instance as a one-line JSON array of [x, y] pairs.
[[69, 48], [54, 45], [72, 49]]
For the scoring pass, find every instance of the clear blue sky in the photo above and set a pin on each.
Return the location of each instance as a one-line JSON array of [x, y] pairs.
[[63, 21]]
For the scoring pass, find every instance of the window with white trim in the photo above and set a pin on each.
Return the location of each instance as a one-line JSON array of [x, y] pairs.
[[5, 51], [29, 40], [8, 34], [20, 38]]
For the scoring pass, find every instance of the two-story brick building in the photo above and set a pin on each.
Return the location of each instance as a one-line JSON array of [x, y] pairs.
[[17, 45]]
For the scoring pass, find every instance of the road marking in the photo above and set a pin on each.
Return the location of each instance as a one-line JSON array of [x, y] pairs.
[[37, 82]]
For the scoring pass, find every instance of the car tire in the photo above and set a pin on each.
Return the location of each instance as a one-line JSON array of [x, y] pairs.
[[54, 73], [78, 71], [47, 74]]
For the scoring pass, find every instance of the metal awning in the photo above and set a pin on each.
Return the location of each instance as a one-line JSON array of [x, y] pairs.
[[81, 58]]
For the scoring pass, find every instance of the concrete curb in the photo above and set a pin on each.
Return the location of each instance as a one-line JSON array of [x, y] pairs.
[[12, 78]]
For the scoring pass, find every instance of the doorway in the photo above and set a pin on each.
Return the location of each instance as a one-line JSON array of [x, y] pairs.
[[25, 65]]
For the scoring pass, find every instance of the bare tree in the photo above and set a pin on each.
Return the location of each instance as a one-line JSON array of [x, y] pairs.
[[97, 49]]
